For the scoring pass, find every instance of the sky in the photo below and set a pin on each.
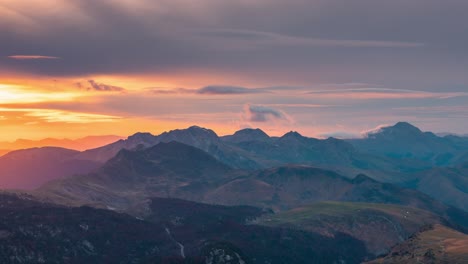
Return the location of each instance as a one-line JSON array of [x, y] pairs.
[[71, 68]]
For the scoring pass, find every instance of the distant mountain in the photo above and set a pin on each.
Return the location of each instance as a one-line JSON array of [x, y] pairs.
[[379, 226], [254, 149], [202, 138], [436, 244], [4, 151], [293, 148], [80, 144], [30, 168], [405, 141]]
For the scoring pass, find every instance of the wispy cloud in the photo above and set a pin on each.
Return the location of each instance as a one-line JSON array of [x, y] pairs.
[[55, 116], [375, 130], [269, 38], [33, 57], [99, 87]]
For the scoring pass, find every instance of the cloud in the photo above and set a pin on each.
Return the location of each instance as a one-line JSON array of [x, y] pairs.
[[33, 57], [260, 113], [160, 90], [100, 87], [374, 130], [301, 43], [211, 90]]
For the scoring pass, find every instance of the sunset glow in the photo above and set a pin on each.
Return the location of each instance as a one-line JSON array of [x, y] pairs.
[[120, 67]]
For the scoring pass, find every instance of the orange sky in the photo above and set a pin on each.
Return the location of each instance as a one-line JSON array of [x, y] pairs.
[[36, 108], [71, 68]]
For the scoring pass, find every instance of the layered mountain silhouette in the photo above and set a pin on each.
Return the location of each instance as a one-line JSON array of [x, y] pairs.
[[176, 170], [190, 196], [400, 154]]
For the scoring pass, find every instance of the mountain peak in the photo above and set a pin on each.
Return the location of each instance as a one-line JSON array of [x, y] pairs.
[[199, 128], [196, 130], [398, 130], [292, 134], [140, 135], [405, 126], [141, 139], [247, 134], [251, 131]]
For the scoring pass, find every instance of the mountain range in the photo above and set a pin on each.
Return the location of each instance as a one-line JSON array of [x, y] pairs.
[[379, 156], [246, 198]]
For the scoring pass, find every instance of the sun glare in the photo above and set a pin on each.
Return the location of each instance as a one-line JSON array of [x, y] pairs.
[[19, 94]]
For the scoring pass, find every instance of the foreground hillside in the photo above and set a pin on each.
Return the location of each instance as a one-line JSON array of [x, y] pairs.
[[379, 226], [174, 231], [32, 232], [178, 231], [437, 244]]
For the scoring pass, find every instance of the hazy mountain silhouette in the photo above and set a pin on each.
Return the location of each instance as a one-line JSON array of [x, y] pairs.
[[30, 168], [80, 144]]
